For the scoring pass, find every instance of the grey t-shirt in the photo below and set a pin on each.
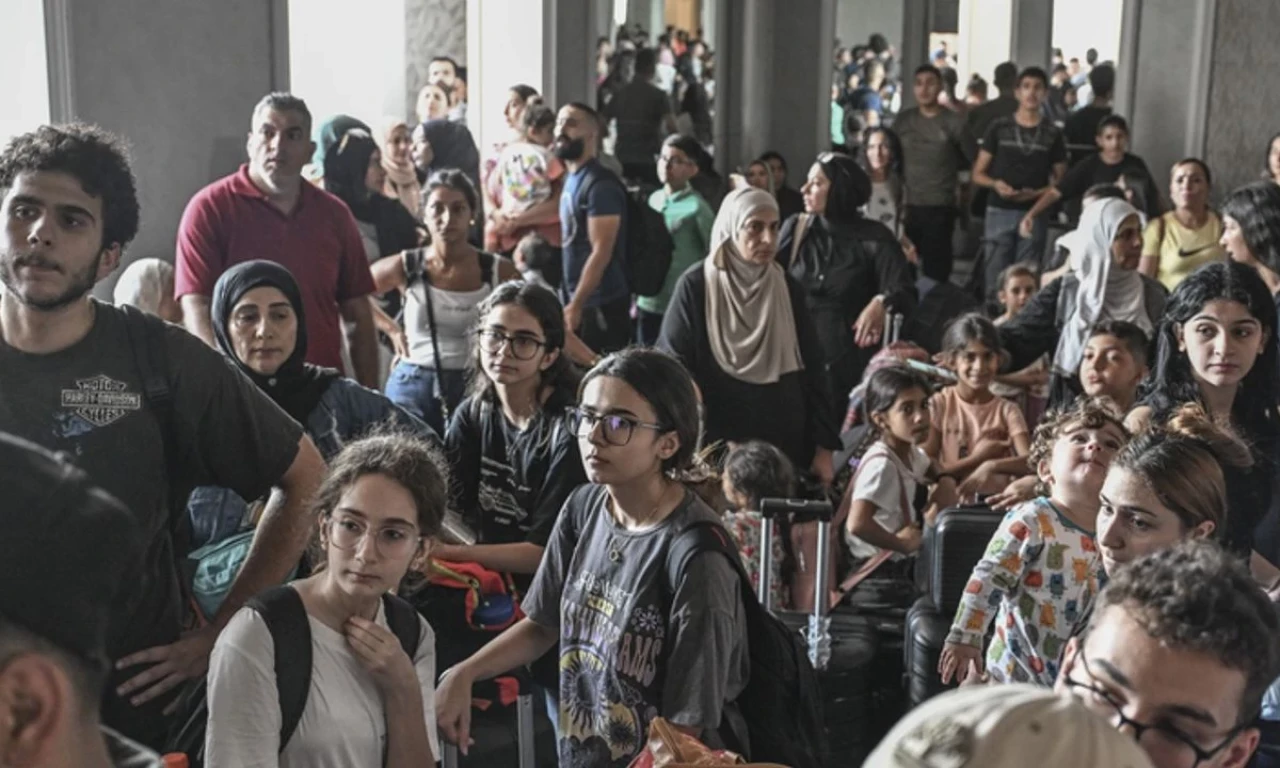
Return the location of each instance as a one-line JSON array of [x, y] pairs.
[[624, 631], [639, 109], [932, 153]]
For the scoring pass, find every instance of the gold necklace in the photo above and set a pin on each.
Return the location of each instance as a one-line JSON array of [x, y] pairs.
[[615, 552]]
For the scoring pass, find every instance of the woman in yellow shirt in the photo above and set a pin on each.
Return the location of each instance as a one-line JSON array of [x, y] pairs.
[[1186, 238]]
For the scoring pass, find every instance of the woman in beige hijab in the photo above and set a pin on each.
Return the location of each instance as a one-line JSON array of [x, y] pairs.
[[740, 326], [396, 142]]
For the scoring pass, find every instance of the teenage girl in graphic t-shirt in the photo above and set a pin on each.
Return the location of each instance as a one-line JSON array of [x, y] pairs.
[[632, 647]]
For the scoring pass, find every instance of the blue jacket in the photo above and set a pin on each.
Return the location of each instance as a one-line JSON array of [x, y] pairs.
[[347, 411]]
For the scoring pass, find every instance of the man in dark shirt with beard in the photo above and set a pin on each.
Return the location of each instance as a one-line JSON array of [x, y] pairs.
[[71, 381]]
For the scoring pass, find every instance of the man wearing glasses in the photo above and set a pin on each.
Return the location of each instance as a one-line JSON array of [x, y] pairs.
[[1178, 652]]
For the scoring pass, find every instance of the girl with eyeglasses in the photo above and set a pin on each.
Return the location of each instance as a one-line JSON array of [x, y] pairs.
[[631, 645], [370, 702], [513, 457]]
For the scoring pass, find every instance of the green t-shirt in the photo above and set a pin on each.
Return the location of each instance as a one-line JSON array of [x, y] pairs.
[[689, 220]]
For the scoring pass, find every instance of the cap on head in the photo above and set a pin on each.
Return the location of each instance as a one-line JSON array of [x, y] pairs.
[[1006, 726], [65, 547]]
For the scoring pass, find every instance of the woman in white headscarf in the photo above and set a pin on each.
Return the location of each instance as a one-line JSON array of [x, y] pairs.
[[395, 141], [148, 285], [739, 323], [1104, 286]]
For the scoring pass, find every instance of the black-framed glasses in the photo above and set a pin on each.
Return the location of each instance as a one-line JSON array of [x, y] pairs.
[[522, 347], [615, 428], [1167, 746]]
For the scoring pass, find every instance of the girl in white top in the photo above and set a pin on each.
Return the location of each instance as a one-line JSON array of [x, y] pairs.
[[881, 518], [444, 284], [369, 703]]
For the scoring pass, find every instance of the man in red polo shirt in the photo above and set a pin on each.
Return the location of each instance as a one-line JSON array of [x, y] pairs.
[[266, 210]]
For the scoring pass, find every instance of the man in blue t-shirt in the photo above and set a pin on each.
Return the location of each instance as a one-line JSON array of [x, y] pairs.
[[597, 300]]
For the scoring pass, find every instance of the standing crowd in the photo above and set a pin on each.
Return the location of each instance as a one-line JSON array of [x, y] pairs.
[[411, 428]]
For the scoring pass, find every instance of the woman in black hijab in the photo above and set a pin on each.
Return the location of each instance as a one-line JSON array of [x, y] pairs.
[[259, 325], [852, 269], [353, 172]]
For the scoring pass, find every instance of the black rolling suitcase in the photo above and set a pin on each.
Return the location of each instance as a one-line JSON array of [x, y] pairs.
[[503, 739], [842, 646], [951, 548]]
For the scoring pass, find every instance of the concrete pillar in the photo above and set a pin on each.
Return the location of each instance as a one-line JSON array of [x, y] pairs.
[[1032, 32], [800, 106], [744, 82], [433, 28], [184, 106]]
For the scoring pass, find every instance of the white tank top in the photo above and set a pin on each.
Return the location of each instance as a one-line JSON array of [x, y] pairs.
[[456, 314]]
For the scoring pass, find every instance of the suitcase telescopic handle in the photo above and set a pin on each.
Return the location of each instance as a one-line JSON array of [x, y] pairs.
[[772, 508]]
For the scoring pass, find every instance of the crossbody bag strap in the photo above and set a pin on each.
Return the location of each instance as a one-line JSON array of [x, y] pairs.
[[437, 390]]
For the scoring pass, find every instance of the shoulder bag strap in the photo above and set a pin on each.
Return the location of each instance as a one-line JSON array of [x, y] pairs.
[[402, 618], [286, 617], [438, 388], [802, 229]]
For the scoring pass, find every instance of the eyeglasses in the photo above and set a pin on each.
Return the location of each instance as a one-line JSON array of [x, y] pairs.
[[393, 541], [1167, 746], [522, 347], [616, 429]]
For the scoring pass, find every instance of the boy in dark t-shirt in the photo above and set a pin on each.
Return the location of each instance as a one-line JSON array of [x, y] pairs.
[[1021, 156], [1106, 166], [70, 381]]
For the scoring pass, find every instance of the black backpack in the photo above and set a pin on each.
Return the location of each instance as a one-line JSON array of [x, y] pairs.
[[286, 618], [782, 702], [648, 247]]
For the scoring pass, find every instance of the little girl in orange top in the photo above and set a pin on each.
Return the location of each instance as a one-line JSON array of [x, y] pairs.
[[971, 424]]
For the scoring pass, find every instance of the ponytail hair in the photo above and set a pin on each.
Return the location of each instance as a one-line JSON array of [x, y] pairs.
[[1183, 460]]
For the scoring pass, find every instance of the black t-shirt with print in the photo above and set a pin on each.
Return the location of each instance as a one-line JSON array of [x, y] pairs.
[[87, 402], [1022, 157], [623, 629], [509, 484]]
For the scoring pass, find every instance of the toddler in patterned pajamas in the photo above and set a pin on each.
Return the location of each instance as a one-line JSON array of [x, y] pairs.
[[1042, 567]]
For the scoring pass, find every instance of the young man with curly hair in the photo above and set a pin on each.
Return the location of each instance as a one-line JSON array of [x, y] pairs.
[[1178, 652], [71, 381]]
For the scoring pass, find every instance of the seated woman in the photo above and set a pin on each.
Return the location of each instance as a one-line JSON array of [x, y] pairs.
[[513, 458], [1105, 286], [633, 646], [259, 324], [1215, 348], [370, 701], [739, 324]]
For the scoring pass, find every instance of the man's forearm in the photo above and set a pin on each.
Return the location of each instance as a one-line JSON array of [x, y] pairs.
[[196, 319], [592, 274], [282, 533], [363, 343]]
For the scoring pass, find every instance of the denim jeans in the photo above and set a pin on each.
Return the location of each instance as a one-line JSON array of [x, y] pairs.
[[413, 388], [1004, 245], [648, 327]]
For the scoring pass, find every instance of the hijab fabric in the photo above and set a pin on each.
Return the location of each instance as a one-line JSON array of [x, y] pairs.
[[1106, 292], [750, 322], [402, 178], [346, 164], [329, 133], [850, 186], [298, 385], [453, 148]]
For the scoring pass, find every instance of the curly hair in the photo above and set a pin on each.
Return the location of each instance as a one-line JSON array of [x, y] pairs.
[[758, 470], [1196, 597], [412, 463], [1085, 413], [99, 160]]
